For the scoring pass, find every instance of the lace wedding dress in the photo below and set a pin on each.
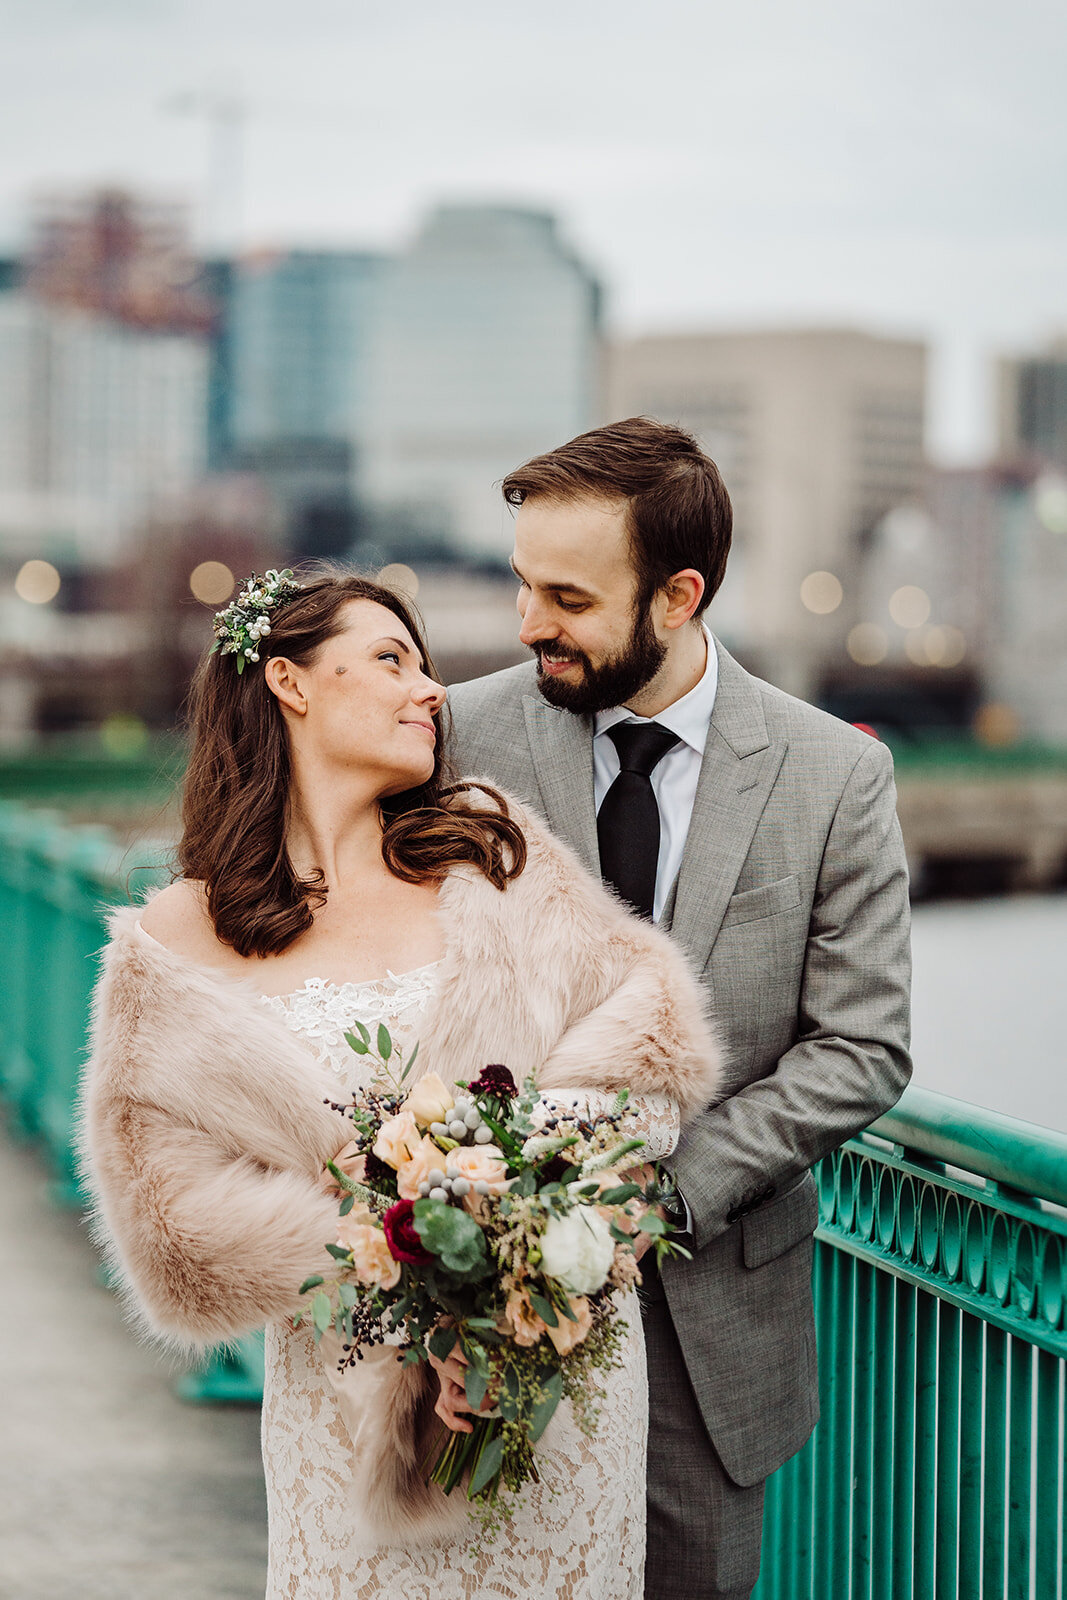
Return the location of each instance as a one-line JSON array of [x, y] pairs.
[[579, 1534]]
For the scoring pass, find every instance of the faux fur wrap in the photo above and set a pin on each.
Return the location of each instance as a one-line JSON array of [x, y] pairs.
[[204, 1134]]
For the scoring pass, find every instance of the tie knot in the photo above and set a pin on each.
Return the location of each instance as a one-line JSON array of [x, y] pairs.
[[641, 745]]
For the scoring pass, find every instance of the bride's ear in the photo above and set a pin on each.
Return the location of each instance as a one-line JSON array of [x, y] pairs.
[[283, 682]]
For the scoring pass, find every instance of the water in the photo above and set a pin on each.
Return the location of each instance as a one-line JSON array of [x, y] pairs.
[[990, 1004]]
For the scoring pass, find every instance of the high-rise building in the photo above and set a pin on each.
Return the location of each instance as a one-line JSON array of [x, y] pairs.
[[1032, 405], [298, 328], [818, 433], [487, 353], [98, 421]]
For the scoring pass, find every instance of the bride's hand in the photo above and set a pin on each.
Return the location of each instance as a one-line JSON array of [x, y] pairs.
[[452, 1400], [643, 1175]]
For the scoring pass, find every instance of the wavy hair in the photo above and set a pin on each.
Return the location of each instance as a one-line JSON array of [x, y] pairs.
[[235, 802]]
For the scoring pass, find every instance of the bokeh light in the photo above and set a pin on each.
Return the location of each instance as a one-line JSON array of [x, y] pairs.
[[396, 575], [1050, 502], [944, 645], [996, 724], [867, 644], [123, 734], [909, 606], [37, 582], [211, 582], [821, 592]]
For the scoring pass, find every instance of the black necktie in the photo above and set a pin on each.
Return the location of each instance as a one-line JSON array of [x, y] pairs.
[[627, 823]]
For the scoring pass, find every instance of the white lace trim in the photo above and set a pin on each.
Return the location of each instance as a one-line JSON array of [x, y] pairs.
[[323, 1012]]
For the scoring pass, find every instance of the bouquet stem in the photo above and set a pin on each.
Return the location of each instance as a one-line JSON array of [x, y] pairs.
[[463, 1451]]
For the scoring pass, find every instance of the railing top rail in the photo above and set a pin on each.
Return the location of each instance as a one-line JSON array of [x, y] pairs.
[[1003, 1149]]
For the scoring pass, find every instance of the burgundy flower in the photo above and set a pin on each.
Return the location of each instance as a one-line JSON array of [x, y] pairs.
[[496, 1081], [404, 1243]]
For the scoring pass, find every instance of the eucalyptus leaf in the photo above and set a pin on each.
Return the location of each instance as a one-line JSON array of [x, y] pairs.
[[410, 1062], [476, 1384], [358, 1045], [442, 1343], [347, 1295], [338, 1251], [619, 1196], [545, 1310], [652, 1224], [385, 1042], [543, 1412], [453, 1236], [321, 1311], [310, 1283], [490, 1461]]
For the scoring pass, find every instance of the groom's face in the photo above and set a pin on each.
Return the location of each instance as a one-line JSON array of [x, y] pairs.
[[578, 602]]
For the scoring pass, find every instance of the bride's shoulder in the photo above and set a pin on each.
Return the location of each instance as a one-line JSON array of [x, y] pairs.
[[178, 918]]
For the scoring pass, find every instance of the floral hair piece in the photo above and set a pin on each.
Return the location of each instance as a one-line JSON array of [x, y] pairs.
[[246, 620]]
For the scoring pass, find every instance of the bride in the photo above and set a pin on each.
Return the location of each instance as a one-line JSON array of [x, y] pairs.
[[332, 873]]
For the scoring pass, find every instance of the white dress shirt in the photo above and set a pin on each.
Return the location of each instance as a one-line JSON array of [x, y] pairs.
[[674, 777]]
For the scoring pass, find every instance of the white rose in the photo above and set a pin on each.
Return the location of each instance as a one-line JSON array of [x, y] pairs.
[[578, 1250]]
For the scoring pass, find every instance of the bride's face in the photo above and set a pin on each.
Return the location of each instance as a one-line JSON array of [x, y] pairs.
[[366, 706]]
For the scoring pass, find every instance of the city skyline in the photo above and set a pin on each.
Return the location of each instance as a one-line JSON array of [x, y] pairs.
[[896, 172]]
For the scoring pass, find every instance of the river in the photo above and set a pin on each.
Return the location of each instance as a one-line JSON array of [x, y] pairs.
[[990, 1003]]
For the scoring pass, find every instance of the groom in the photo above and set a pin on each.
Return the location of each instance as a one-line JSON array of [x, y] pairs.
[[762, 834]]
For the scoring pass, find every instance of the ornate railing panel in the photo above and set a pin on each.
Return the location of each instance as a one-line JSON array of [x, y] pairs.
[[937, 1469]]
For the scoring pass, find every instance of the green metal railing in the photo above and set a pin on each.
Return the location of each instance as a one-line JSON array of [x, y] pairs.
[[57, 884], [937, 1469]]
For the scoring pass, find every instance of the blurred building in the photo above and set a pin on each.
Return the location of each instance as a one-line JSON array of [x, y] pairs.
[[486, 353], [298, 329], [98, 419], [818, 433], [123, 256], [1032, 405]]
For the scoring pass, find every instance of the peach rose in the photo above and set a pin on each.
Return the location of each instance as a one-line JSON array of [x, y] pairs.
[[429, 1101], [480, 1163], [424, 1158], [397, 1138], [521, 1320], [374, 1264], [351, 1162], [568, 1333], [358, 1217]]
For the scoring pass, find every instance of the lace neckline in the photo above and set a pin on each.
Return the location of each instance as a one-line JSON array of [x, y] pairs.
[[326, 986]]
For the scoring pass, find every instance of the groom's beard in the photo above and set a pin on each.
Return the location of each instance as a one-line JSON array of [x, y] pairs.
[[612, 683]]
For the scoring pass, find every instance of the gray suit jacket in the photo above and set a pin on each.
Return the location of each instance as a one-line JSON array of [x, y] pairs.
[[792, 904]]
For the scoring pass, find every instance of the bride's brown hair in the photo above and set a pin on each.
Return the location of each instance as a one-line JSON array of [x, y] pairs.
[[236, 795]]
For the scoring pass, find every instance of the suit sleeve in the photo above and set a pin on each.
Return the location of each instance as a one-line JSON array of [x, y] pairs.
[[850, 1062]]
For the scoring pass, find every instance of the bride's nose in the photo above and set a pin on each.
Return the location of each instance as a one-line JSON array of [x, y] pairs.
[[431, 693]]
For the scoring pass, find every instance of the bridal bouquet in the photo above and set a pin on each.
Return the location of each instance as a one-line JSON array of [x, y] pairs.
[[485, 1218]]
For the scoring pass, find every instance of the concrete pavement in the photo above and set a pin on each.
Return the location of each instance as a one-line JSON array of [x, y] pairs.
[[110, 1487]]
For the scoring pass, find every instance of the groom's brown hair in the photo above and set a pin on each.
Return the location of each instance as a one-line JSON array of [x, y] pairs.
[[678, 510]]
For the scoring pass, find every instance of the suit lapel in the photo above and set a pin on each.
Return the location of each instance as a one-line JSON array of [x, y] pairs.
[[741, 763], [562, 748]]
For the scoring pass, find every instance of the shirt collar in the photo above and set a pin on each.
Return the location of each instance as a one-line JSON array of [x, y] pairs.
[[688, 717]]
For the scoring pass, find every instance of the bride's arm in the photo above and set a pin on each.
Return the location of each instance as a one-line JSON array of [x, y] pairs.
[[211, 1245]]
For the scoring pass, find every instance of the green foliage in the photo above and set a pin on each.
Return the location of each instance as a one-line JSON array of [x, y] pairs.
[[454, 1237]]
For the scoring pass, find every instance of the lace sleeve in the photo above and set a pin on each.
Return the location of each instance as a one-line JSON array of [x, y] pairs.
[[652, 1117]]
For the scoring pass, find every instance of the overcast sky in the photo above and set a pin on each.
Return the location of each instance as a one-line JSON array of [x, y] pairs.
[[896, 166]]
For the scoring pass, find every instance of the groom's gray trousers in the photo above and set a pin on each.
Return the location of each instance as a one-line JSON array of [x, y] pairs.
[[703, 1529]]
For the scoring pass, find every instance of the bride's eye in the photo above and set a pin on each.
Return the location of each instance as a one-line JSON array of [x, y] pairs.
[[390, 655]]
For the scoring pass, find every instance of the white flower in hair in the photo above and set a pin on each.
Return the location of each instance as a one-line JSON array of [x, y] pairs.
[[246, 620]]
